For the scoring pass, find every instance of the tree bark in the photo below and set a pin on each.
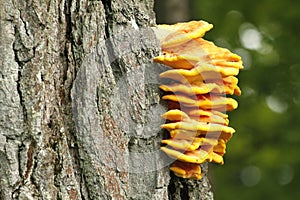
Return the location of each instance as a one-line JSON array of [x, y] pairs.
[[80, 105]]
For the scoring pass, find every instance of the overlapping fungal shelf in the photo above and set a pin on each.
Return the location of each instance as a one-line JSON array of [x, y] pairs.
[[195, 87]]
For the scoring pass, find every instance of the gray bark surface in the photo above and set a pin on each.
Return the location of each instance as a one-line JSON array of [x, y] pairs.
[[80, 105]]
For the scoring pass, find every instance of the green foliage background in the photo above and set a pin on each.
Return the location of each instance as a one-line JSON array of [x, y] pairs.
[[262, 159]]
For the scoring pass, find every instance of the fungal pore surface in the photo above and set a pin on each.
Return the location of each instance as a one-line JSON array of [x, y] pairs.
[[200, 77]]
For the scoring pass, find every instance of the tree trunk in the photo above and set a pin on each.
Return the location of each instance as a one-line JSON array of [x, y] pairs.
[[80, 105]]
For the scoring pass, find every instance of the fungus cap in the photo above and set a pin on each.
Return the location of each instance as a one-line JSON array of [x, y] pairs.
[[217, 103], [186, 170], [194, 125], [177, 34], [190, 144], [199, 52]]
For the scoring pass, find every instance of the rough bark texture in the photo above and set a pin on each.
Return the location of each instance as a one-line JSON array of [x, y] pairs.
[[80, 104]]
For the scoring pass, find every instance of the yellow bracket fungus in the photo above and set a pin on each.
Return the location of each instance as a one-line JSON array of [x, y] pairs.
[[217, 103], [186, 170], [200, 76], [180, 33]]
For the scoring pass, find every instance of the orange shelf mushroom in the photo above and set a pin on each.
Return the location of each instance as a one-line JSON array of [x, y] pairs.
[[201, 74]]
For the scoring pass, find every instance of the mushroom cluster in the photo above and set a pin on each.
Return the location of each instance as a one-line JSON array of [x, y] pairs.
[[195, 87]]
